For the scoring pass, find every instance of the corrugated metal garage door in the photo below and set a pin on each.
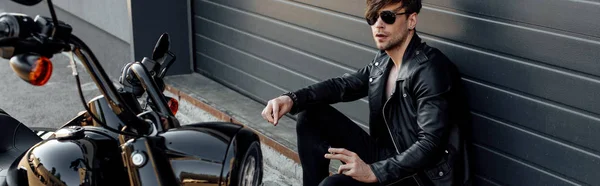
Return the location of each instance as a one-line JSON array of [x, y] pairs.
[[532, 70]]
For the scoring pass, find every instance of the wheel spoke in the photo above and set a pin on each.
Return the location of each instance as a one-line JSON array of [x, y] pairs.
[[249, 171]]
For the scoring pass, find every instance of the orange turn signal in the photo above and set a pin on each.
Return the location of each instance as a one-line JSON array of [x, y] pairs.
[[32, 68], [42, 70], [173, 105]]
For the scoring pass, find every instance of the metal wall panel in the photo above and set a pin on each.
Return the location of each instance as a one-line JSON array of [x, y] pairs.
[[537, 148], [530, 77], [578, 17], [506, 170], [531, 72]]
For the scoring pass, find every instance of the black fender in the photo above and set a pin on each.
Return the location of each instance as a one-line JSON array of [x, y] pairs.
[[240, 145], [207, 152]]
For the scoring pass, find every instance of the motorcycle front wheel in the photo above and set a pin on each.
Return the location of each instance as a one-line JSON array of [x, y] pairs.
[[251, 172]]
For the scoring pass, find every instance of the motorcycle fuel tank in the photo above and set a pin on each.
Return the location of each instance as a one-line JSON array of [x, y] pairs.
[[89, 160]]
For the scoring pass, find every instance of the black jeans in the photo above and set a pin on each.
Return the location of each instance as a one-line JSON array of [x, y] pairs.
[[320, 127]]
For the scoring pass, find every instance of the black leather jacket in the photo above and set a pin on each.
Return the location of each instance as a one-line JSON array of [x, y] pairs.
[[425, 117]]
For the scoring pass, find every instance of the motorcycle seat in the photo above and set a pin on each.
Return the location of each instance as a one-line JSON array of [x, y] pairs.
[[15, 138]]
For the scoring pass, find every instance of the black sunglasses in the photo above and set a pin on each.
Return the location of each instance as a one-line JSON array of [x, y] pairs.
[[387, 16]]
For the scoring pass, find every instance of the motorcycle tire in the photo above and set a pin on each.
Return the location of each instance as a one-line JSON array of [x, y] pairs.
[[252, 166]]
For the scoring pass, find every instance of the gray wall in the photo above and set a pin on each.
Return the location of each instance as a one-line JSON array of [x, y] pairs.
[[532, 70], [111, 16]]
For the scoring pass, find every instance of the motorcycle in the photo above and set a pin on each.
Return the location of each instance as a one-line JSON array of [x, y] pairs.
[[114, 140]]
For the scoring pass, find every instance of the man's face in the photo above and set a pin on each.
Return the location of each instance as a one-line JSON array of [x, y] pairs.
[[389, 36]]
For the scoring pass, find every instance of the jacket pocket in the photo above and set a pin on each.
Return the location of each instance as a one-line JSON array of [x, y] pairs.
[[442, 171], [439, 172]]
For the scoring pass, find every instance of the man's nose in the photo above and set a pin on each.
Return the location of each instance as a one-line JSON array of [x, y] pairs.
[[379, 23]]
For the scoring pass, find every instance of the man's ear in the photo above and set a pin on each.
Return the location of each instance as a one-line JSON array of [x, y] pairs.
[[412, 21]]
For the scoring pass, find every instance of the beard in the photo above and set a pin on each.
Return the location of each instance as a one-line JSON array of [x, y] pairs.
[[393, 42]]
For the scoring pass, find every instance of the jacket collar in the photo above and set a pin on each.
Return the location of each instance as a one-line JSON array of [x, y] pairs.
[[415, 41], [412, 56]]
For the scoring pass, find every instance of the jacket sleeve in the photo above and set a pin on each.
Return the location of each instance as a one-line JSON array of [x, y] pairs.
[[430, 85], [348, 87]]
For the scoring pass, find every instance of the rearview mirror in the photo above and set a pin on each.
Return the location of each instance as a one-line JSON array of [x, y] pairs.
[[161, 48]]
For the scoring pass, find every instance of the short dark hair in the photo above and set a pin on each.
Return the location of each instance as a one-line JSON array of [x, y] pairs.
[[373, 6]]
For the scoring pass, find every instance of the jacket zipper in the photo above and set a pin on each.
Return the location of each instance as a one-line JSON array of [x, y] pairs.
[[418, 180], [392, 138], [394, 142], [388, 127]]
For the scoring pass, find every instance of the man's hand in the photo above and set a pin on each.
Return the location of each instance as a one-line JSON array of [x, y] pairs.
[[354, 167], [276, 108]]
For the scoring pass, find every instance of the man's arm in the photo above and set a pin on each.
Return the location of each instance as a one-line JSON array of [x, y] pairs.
[[348, 87], [431, 87]]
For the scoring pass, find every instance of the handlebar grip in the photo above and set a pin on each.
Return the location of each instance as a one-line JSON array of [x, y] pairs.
[[15, 25], [4, 30]]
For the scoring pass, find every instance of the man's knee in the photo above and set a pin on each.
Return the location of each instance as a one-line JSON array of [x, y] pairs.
[[313, 116], [317, 112], [312, 111], [338, 180]]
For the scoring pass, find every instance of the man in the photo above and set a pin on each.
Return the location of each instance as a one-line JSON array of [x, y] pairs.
[[418, 113]]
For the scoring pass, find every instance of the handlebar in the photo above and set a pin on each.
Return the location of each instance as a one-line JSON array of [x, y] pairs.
[[10, 24], [104, 84], [19, 34], [4, 29], [151, 88], [49, 36]]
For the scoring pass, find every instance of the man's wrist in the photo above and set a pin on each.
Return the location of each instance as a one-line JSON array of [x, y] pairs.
[[292, 96], [373, 171]]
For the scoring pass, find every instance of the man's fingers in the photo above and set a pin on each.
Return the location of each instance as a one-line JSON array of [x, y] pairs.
[[268, 112], [282, 111], [341, 151], [264, 113], [350, 173], [344, 168], [341, 157], [275, 112]]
